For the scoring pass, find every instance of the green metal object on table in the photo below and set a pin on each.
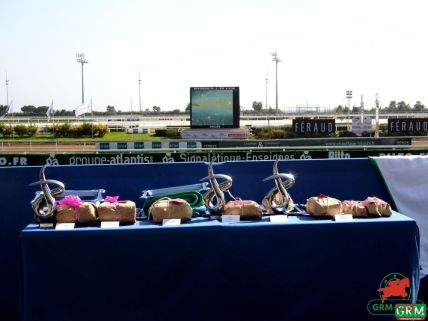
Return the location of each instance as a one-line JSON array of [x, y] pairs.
[[195, 199]]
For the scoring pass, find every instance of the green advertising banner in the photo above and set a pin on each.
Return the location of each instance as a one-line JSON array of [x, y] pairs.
[[348, 141], [171, 157]]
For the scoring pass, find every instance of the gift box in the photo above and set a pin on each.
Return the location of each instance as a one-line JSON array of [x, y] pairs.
[[71, 209], [169, 209], [323, 206], [377, 207], [246, 209], [356, 208], [114, 210]]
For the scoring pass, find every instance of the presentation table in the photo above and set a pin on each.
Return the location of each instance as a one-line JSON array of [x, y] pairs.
[[303, 269]]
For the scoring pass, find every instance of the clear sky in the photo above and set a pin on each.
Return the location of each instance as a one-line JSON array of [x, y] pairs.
[[326, 47]]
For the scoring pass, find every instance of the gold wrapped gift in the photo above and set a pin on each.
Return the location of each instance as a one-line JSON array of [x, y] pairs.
[[244, 208], [323, 206], [84, 214], [377, 207], [356, 208], [170, 209], [122, 211]]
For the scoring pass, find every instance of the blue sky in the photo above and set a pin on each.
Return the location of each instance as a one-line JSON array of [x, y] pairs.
[[326, 47]]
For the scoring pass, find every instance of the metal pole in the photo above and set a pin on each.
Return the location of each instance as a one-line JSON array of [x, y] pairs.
[[349, 96], [7, 91], [81, 59], [83, 93], [139, 91], [266, 104], [92, 121], [276, 82], [276, 59], [377, 117]]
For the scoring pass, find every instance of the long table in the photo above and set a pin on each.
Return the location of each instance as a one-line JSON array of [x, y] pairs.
[[340, 178], [304, 269]]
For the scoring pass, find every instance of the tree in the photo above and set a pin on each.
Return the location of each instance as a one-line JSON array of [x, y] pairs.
[[41, 110], [257, 106], [339, 109], [29, 110], [419, 106], [64, 112], [392, 106], [111, 110], [3, 109], [187, 108], [156, 109], [402, 106]]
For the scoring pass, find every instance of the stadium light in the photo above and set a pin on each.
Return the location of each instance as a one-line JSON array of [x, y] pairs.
[[81, 59], [349, 96], [139, 92], [266, 102], [7, 91], [276, 59]]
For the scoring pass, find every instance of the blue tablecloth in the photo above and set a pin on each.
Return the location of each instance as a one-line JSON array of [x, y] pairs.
[[343, 179], [305, 269]]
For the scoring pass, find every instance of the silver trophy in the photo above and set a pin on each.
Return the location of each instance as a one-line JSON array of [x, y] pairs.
[[214, 198], [278, 200], [44, 202]]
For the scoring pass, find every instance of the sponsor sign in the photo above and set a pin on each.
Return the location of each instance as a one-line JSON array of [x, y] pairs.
[[171, 157], [408, 126], [322, 127]]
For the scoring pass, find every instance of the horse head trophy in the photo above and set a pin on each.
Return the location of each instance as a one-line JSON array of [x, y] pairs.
[[44, 202], [278, 199]]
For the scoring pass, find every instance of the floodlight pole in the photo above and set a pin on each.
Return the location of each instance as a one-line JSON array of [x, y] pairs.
[[349, 96], [7, 91], [81, 59], [276, 59], [377, 117], [266, 81], [139, 91]]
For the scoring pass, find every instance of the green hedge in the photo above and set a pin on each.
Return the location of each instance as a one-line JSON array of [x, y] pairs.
[[57, 130], [81, 130], [172, 133], [18, 130]]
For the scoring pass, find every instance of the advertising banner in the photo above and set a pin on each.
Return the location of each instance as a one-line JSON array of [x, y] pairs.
[[322, 127], [168, 157], [408, 126]]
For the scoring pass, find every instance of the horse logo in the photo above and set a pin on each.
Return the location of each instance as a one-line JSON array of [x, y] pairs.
[[394, 285]]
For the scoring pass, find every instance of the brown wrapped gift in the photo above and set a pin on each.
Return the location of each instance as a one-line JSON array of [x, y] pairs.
[[122, 211], [245, 209], [170, 208], [356, 208], [84, 214], [377, 207], [323, 206]]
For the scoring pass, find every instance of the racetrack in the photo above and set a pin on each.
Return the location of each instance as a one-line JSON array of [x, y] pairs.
[[34, 146]]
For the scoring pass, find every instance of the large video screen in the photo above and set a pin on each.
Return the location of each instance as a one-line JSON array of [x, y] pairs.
[[214, 107]]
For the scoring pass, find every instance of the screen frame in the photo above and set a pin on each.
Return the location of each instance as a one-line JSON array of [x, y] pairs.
[[235, 103]]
